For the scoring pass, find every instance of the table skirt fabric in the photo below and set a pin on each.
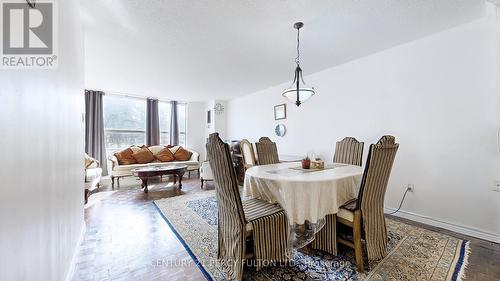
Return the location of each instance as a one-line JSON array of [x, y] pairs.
[[307, 198], [304, 200]]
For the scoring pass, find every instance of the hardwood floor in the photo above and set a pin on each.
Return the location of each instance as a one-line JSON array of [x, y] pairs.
[[127, 239]]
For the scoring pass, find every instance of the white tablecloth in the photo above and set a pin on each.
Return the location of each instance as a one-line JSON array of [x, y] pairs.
[[305, 196]]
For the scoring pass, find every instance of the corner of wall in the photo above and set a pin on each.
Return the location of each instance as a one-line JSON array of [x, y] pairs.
[[76, 251]]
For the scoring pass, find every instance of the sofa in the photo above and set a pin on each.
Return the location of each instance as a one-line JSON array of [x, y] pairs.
[[120, 170], [93, 174]]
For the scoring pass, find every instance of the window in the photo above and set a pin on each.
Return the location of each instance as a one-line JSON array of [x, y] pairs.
[[164, 111], [124, 122], [181, 118]]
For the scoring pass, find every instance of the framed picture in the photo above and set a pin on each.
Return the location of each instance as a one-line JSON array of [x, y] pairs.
[[280, 111]]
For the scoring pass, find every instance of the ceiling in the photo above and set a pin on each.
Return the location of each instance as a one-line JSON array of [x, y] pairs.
[[203, 50]]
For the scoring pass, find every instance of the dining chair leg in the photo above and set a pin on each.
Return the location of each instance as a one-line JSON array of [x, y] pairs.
[[358, 247]]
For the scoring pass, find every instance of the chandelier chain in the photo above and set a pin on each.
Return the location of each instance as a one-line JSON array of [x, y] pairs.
[[31, 3], [297, 59]]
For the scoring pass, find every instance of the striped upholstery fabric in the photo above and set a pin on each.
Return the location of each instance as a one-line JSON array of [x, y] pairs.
[[270, 231], [267, 152], [269, 225], [248, 154], [372, 192], [255, 208], [325, 239], [349, 151], [231, 227]]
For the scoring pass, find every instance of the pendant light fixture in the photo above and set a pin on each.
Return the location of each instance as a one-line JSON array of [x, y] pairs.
[[298, 92], [31, 3]]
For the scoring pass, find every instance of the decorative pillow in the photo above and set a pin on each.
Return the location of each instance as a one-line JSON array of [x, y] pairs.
[[182, 154], [143, 156], [165, 155], [173, 148], [90, 162], [155, 149], [125, 157]]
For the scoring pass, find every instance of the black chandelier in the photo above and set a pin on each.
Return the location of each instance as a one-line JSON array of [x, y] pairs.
[[298, 92]]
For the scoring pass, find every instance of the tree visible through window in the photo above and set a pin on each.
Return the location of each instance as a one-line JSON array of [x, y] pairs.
[[181, 117], [165, 112], [124, 122]]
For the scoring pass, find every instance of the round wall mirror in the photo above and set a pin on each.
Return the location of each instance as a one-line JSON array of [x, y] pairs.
[[280, 130]]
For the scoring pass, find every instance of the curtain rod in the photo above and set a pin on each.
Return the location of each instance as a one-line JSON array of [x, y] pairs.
[[113, 93]]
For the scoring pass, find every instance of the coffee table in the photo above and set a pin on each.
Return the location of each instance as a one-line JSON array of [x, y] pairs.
[[148, 172]]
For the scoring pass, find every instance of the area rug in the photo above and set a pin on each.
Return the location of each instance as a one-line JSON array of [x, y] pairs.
[[414, 253]]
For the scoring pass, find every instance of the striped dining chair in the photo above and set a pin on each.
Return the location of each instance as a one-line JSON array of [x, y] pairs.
[[248, 154], [240, 222], [267, 152], [349, 151], [365, 214]]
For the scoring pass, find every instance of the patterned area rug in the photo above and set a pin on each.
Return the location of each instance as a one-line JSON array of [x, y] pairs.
[[414, 253]]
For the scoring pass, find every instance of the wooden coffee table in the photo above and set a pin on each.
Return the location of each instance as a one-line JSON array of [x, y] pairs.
[[145, 173]]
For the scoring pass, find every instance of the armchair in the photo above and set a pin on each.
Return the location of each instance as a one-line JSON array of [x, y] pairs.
[[205, 173], [93, 173]]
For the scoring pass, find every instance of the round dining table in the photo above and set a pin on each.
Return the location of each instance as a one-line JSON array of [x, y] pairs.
[[306, 195]]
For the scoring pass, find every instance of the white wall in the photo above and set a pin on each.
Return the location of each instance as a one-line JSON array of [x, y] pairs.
[[219, 120], [196, 124], [41, 201], [439, 96]]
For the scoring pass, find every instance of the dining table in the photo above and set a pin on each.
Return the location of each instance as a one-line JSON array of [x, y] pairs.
[[306, 195]]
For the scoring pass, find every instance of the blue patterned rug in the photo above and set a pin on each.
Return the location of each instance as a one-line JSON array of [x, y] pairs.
[[413, 253]]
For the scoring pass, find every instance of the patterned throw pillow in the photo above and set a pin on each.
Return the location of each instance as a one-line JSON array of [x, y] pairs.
[[182, 154], [165, 155], [143, 156], [90, 162], [125, 157]]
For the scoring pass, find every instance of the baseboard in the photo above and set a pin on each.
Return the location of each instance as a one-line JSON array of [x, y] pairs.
[[462, 229], [72, 266]]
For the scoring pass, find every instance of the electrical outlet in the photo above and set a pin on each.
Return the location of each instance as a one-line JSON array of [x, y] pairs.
[[497, 186], [410, 187]]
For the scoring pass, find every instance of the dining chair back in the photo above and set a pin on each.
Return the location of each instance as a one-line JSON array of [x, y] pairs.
[[349, 151], [247, 153], [262, 223], [372, 192], [267, 152], [231, 217], [365, 214]]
